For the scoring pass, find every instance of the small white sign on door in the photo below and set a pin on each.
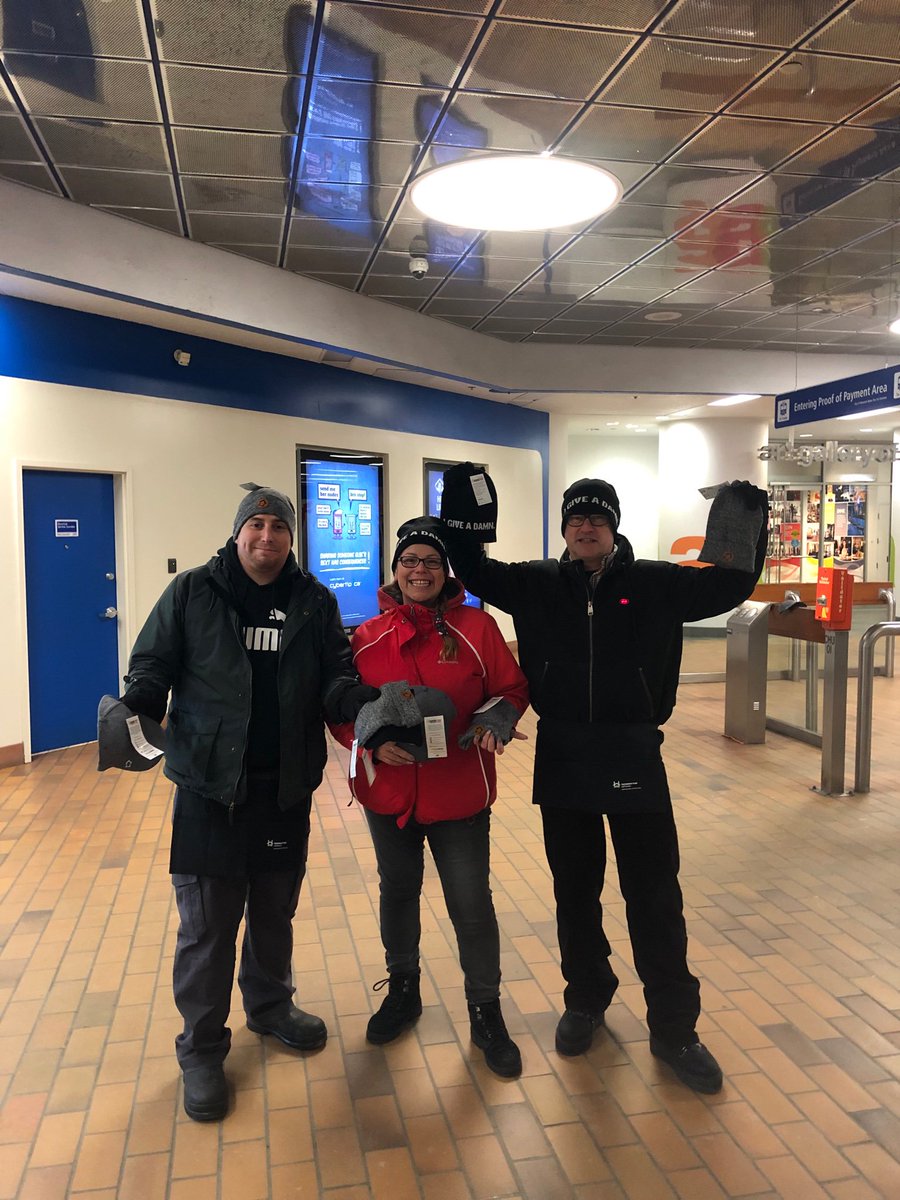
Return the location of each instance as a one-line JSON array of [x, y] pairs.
[[66, 527]]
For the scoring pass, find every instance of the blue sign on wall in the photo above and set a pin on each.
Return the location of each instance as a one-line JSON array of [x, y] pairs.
[[341, 502], [840, 398]]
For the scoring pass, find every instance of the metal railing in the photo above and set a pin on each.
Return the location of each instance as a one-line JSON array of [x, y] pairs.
[[887, 595], [865, 694]]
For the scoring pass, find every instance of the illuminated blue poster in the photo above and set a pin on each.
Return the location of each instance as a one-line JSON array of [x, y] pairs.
[[434, 486], [341, 502]]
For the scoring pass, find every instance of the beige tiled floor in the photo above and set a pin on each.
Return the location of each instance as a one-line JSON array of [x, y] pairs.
[[794, 911]]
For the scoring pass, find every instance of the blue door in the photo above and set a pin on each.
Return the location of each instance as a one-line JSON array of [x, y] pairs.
[[70, 590]]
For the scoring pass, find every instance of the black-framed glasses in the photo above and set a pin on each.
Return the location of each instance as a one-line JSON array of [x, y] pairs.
[[596, 519], [432, 563]]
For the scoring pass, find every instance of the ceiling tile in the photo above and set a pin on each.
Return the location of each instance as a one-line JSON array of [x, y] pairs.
[[884, 113], [868, 27], [693, 188], [166, 220], [504, 122], [263, 254], [276, 36], [343, 201], [120, 189], [236, 228], [15, 143], [544, 60], [696, 76], [322, 259], [747, 143], [849, 153], [110, 144], [343, 160], [817, 87], [220, 99], [216, 152], [318, 231], [203, 193], [747, 21], [33, 174], [632, 134], [635, 15], [90, 27], [84, 87], [368, 41]]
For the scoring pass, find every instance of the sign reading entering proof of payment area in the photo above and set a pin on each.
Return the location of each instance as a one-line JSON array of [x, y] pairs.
[[841, 398]]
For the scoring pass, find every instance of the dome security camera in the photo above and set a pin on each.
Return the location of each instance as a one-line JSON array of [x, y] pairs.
[[418, 266]]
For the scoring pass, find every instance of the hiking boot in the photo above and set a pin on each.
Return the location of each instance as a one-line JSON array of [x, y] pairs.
[[205, 1093], [400, 1008], [575, 1031], [297, 1029], [692, 1063], [489, 1033]]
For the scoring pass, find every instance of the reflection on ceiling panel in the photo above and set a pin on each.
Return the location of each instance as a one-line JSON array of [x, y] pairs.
[[757, 143]]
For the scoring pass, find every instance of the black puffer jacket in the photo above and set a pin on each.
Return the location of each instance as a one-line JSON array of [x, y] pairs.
[[191, 644], [602, 664]]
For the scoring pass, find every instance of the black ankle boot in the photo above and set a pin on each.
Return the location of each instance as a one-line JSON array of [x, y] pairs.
[[400, 1008], [489, 1033]]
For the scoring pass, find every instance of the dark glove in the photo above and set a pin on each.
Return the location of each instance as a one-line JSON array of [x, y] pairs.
[[352, 700], [735, 521], [396, 705], [500, 720], [469, 503], [144, 703]]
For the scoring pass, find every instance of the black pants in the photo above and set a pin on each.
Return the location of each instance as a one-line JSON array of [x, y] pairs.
[[646, 846], [210, 912]]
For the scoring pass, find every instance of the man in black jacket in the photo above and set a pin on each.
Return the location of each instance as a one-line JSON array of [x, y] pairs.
[[254, 654], [600, 638]]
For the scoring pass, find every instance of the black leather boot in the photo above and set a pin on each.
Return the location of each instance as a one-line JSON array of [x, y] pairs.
[[400, 1008], [489, 1033], [205, 1093]]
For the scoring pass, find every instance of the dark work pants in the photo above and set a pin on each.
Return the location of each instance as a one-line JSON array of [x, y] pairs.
[[461, 852], [210, 911], [646, 846]]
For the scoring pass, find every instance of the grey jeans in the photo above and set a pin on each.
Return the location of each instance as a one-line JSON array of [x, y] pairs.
[[461, 852], [210, 912]]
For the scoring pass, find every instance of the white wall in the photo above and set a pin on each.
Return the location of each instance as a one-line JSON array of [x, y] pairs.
[[630, 465], [181, 465]]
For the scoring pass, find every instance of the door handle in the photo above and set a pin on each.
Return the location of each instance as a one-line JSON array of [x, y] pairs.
[[110, 614]]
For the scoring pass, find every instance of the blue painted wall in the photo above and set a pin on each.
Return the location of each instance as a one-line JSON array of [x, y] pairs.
[[60, 345]]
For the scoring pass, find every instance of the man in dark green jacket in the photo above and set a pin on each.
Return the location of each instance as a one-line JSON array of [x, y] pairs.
[[600, 636], [254, 654]]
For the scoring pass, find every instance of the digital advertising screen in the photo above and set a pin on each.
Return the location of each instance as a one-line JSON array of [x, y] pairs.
[[434, 486], [341, 526]]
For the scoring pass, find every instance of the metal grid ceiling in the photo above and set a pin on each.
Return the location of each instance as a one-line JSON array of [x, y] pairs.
[[758, 142]]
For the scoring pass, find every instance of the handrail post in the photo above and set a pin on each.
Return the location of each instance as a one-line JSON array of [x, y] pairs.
[[864, 697], [887, 595]]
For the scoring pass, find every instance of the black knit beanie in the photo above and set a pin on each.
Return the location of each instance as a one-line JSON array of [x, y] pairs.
[[421, 531], [591, 496]]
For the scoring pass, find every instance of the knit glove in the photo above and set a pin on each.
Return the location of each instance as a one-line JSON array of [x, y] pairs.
[[500, 720], [733, 527], [353, 699], [396, 705]]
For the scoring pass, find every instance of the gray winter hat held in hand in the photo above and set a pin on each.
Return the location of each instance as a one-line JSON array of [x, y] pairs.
[[733, 527]]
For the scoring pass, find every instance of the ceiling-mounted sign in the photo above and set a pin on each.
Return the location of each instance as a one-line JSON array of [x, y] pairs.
[[841, 398]]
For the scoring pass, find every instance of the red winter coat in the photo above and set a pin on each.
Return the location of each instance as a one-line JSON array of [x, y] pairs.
[[402, 643]]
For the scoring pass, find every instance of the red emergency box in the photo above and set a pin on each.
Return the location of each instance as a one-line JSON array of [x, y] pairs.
[[834, 598]]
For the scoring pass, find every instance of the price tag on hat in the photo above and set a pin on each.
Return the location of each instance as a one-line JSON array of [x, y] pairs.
[[480, 489], [435, 737]]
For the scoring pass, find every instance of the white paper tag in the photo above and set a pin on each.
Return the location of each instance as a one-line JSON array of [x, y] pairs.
[[140, 743], [369, 766], [480, 488], [353, 750], [488, 704], [710, 493], [435, 737]]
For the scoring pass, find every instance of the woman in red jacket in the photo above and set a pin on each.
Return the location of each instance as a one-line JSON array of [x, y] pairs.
[[426, 635]]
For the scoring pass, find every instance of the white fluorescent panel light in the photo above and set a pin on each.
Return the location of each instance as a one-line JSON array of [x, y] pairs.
[[515, 192], [726, 401], [894, 326], [873, 412]]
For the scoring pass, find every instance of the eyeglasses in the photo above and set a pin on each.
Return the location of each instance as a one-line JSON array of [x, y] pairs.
[[431, 563], [596, 519]]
